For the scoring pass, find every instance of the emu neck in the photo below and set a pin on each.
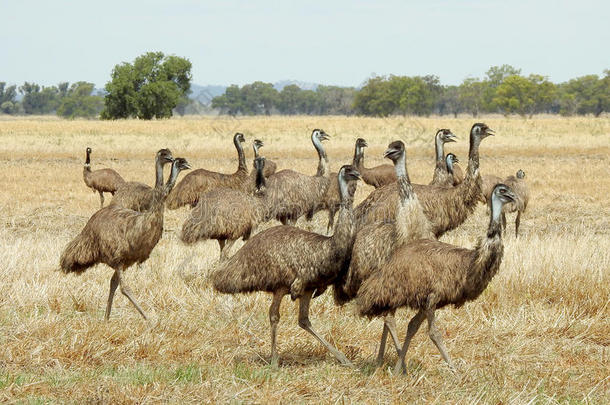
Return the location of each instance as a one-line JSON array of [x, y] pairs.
[[261, 183], [240, 156], [450, 166], [440, 148], [255, 150], [323, 160], [344, 230], [405, 190], [158, 172], [473, 155], [88, 160]]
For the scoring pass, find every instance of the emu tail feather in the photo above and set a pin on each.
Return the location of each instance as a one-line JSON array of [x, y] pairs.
[[79, 255]]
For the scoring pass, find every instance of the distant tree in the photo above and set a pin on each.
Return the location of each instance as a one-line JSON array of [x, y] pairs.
[[471, 93], [334, 100], [39, 100], [8, 95], [586, 95], [230, 102], [149, 88], [79, 101], [258, 98], [419, 94], [495, 77], [449, 102], [375, 97], [525, 95], [289, 99]]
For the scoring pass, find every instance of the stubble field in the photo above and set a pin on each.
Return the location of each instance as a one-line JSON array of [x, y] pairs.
[[539, 333]]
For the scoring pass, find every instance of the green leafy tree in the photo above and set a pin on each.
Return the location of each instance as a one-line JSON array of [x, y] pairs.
[[39, 100], [230, 102], [289, 99], [586, 95], [471, 95], [8, 95], [149, 88], [376, 98], [495, 77], [79, 101], [449, 102], [259, 98], [419, 94], [334, 100]]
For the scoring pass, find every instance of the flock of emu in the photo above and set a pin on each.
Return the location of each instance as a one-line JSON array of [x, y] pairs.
[[384, 253]]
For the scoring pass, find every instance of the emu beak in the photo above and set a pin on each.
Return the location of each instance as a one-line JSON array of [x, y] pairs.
[[489, 131], [187, 165], [324, 136], [456, 160], [356, 174], [365, 144], [452, 138], [388, 152]]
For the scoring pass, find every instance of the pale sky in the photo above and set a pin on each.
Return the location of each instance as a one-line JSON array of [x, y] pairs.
[[341, 42]]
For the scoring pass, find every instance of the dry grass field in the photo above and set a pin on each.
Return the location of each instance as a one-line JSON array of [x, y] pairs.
[[540, 333]]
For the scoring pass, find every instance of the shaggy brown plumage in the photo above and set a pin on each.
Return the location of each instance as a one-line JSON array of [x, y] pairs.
[[138, 196], [285, 257], [119, 237], [488, 182], [518, 185], [374, 244], [441, 174], [188, 190], [226, 215], [377, 176], [445, 207], [426, 275], [101, 180], [294, 194]]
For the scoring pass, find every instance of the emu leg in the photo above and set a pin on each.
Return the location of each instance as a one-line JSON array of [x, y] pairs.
[[412, 329], [436, 337], [114, 283], [517, 222], [306, 324], [274, 319], [101, 199], [389, 325], [126, 291]]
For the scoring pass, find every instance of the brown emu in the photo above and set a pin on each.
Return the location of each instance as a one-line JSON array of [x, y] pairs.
[[518, 185], [445, 207], [441, 174], [272, 260], [199, 181], [270, 165], [454, 171], [119, 237], [226, 215], [375, 176], [138, 196], [101, 180], [375, 243], [294, 194], [426, 275]]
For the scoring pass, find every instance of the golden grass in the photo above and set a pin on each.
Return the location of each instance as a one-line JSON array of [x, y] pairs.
[[540, 332]]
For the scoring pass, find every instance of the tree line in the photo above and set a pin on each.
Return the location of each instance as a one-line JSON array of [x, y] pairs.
[[157, 86], [502, 90]]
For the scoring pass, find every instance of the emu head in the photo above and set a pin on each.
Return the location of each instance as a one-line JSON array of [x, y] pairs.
[[349, 173], [481, 131], [361, 143], [395, 150], [181, 164], [256, 144], [520, 174], [88, 150], [319, 134], [503, 194], [239, 137], [451, 160], [445, 135], [165, 156]]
